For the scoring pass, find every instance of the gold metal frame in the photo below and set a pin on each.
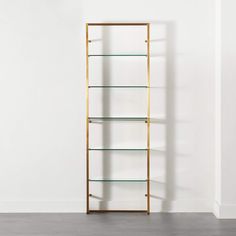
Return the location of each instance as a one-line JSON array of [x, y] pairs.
[[148, 116], [148, 119], [87, 121]]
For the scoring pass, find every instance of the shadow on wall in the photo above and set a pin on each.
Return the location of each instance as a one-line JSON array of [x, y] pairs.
[[170, 158], [106, 161], [165, 188], [168, 185]]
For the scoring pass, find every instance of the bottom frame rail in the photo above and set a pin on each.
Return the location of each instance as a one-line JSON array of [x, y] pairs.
[[125, 211]]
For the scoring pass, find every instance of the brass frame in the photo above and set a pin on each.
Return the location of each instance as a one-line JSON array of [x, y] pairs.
[[148, 115], [148, 119], [87, 121]]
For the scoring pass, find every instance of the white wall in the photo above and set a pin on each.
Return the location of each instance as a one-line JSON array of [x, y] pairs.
[[226, 191], [43, 103]]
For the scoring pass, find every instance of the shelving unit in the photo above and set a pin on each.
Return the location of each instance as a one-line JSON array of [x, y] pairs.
[[145, 119]]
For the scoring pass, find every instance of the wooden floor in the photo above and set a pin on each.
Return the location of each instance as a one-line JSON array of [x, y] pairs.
[[114, 224]]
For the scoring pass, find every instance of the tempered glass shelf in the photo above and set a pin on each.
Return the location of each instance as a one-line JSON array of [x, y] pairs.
[[118, 149], [118, 180], [118, 118], [117, 55], [118, 86]]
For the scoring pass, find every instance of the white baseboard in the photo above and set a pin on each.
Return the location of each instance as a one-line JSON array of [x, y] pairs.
[[41, 206], [185, 205], [225, 211]]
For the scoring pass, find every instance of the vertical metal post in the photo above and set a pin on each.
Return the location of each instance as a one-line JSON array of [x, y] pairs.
[[148, 119], [87, 122]]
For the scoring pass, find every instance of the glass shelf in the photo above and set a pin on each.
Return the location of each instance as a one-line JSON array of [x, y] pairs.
[[119, 180], [117, 55], [118, 149], [118, 86], [117, 118]]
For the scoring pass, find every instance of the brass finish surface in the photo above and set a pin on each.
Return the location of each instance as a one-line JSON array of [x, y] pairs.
[[87, 123], [148, 119], [106, 211], [117, 24]]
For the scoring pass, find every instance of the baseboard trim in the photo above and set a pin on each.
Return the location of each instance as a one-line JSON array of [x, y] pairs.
[[183, 205], [225, 211], [41, 206]]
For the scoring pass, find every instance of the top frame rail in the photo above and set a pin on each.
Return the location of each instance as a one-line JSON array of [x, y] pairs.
[[117, 24]]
